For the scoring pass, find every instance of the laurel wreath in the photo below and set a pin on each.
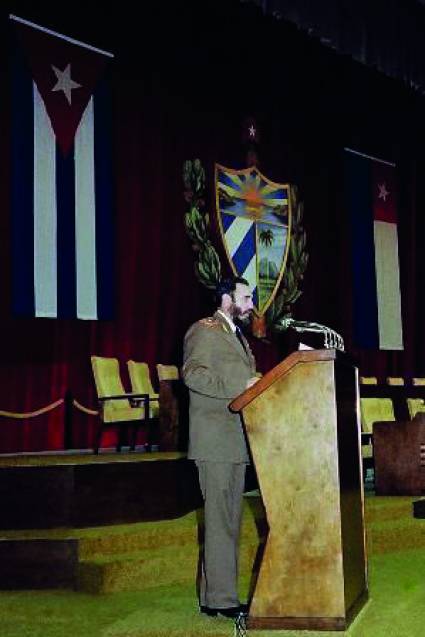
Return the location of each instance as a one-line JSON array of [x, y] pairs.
[[290, 291], [197, 222], [207, 264]]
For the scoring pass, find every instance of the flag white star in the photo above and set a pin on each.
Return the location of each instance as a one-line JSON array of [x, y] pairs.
[[252, 131], [64, 81], [383, 192]]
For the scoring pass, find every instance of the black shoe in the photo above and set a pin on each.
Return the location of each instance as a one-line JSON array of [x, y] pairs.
[[232, 612]]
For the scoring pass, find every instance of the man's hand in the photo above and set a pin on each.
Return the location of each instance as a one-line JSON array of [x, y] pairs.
[[251, 381]]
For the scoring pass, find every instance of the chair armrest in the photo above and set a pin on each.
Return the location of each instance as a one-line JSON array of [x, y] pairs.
[[366, 438], [135, 399], [123, 396]]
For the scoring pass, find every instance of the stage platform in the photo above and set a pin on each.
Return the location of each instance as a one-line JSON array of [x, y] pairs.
[[51, 501], [71, 520], [132, 522], [80, 490]]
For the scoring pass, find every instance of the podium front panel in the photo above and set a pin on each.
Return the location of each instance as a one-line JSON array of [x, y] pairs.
[[304, 439], [293, 439]]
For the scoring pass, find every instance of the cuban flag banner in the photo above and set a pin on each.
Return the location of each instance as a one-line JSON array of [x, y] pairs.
[[61, 167], [371, 201]]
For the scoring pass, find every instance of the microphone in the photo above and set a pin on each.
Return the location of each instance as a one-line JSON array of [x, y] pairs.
[[332, 340]]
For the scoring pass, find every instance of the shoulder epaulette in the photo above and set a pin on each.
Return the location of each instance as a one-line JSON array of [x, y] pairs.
[[214, 323], [211, 322]]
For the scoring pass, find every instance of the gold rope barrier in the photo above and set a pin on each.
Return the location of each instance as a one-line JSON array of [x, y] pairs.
[[44, 410], [31, 414], [85, 410]]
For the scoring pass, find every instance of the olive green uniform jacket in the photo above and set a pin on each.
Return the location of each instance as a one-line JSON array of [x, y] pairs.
[[216, 369]]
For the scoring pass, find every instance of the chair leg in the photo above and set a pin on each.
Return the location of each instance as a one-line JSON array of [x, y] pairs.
[[98, 441], [123, 439], [133, 437], [148, 443], [153, 434]]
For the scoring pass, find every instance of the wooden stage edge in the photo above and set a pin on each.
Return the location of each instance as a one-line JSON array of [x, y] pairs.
[[85, 456], [309, 623], [79, 490]]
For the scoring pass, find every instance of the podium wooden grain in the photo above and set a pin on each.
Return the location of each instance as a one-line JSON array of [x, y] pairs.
[[302, 425]]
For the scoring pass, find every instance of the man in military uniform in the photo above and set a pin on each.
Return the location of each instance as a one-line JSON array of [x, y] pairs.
[[218, 366]]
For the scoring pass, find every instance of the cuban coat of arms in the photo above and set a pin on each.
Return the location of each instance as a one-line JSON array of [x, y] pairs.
[[254, 216]]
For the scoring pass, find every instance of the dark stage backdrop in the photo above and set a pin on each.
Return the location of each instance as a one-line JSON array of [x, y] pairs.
[[184, 81]]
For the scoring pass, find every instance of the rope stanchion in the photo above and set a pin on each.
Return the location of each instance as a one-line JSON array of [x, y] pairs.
[[44, 410], [85, 410], [31, 414]]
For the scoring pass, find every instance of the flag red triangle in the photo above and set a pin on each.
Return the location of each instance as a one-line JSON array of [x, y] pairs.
[[80, 69]]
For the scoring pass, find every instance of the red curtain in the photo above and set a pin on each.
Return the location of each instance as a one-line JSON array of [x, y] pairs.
[[186, 97]]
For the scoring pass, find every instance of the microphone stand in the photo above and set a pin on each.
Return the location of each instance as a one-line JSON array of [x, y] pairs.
[[332, 340]]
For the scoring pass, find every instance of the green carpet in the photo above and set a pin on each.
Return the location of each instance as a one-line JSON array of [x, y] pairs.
[[148, 589]]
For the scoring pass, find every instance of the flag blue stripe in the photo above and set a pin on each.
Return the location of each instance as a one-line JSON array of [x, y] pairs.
[[279, 193], [22, 192], [66, 273], [359, 204], [104, 197], [227, 221], [226, 180], [245, 251]]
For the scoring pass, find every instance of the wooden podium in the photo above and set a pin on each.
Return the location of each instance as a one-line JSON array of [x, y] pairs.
[[302, 424]]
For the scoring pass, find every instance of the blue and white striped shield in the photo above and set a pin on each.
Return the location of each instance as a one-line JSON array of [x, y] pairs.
[[254, 216]]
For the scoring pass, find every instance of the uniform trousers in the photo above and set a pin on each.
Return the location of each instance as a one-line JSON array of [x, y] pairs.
[[222, 486]]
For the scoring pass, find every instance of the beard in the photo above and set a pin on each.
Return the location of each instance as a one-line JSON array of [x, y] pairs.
[[239, 316]]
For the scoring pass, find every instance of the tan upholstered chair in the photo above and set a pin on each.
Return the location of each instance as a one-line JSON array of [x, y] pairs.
[[141, 384], [167, 372], [418, 381], [416, 405], [368, 380], [116, 407], [395, 380], [373, 410]]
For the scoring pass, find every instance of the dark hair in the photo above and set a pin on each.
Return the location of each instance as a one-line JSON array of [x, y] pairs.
[[227, 286]]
